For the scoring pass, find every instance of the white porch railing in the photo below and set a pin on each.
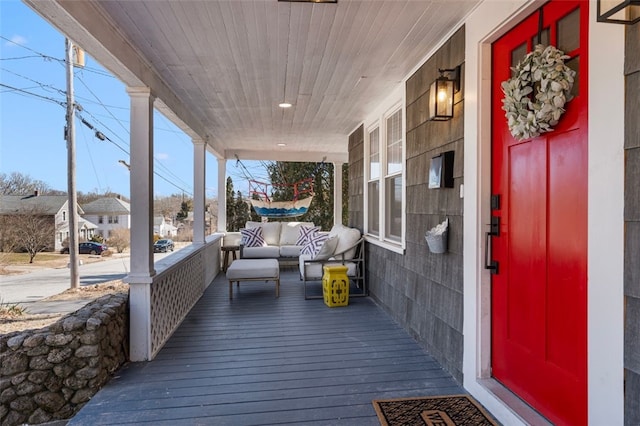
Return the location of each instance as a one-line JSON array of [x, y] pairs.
[[180, 281]]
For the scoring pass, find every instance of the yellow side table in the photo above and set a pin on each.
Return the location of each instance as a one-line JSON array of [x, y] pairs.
[[335, 286]]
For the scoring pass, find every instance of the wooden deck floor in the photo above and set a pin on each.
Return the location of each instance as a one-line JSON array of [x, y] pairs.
[[258, 360]]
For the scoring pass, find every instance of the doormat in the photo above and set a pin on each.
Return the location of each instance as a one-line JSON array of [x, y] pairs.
[[449, 410]]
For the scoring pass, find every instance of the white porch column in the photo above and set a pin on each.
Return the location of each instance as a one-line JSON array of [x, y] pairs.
[[337, 193], [141, 178], [199, 172], [222, 195]]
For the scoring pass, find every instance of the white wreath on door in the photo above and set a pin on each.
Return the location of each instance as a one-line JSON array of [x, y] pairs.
[[544, 72]]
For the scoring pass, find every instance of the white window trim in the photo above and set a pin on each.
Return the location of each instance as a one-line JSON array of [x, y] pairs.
[[395, 102], [367, 153]]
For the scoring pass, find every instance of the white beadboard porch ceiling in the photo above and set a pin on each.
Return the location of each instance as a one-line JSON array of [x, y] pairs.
[[219, 68]]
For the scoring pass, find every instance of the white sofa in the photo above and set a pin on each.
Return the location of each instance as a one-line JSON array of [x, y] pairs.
[[280, 240]]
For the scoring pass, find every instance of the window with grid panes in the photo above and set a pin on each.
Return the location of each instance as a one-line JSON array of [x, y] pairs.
[[373, 186], [393, 178], [385, 174]]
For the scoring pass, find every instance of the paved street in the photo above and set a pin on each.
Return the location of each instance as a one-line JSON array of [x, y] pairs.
[[41, 283]]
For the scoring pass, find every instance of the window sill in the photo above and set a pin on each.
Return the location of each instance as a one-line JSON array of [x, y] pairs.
[[388, 245]]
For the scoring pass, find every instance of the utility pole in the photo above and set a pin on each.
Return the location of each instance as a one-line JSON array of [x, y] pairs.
[[71, 172]]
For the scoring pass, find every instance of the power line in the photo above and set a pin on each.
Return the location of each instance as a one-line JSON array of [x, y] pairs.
[[93, 166], [98, 134], [158, 163], [64, 93], [100, 102], [20, 57], [16, 89], [50, 58], [102, 136], [42, 85]]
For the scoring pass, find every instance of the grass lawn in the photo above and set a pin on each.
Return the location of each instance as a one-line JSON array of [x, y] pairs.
[[23, 258]]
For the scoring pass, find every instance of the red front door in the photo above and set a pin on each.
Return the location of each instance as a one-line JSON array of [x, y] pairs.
[[539, 295]]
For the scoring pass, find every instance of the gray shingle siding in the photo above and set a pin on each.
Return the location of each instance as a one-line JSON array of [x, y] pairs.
[[421, 290]]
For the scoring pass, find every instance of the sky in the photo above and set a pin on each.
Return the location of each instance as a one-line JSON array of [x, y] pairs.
[[32, 119]]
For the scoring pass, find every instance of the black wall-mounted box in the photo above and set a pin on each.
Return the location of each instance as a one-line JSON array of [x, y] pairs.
[[441, 171]]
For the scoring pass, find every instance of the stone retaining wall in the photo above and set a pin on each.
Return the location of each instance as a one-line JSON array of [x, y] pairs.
[[49, 373]]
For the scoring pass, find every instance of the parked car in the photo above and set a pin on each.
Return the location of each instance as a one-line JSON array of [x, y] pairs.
[[163, 245], [91, 247], [88, 247]]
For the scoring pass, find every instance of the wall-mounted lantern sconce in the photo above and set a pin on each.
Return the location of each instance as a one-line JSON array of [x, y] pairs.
[[441, 94], [619, 11]]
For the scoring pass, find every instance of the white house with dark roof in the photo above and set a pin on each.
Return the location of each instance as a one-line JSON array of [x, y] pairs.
[[164, 227], [54, 206], [108, 213]]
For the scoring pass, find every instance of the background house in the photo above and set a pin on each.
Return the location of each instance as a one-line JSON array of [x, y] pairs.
[[163, 228], [108, 213], [53, 208]]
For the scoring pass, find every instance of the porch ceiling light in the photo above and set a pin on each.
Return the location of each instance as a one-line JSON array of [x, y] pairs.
[[441, 94], [619, 11], [284, 105]]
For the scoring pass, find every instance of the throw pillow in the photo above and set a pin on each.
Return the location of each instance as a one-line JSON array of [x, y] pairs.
[[252, 237], [305, 234], [327, 249], [314, 244]]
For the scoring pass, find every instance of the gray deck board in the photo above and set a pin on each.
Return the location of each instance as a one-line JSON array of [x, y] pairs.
[[259, 360]]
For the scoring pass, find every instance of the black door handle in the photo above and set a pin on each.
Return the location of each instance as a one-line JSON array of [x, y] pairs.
[[491, 265]]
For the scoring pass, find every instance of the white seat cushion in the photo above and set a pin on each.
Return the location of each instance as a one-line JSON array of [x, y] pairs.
[[268, 252], [290, 251], [244, 269], [314, 271]]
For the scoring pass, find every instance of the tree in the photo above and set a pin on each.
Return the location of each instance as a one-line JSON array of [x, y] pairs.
[[7, 241], [168, 207], [242, 211], [231, 206], [31, 231], [20, 184], [239, 209], [120, 239], [97, 238], [185, 207]]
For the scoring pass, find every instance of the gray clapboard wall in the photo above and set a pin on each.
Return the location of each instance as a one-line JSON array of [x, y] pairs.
[[421, 290], [632, 227]]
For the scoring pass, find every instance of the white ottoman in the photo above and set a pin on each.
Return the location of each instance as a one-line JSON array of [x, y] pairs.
[[253, 270]]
